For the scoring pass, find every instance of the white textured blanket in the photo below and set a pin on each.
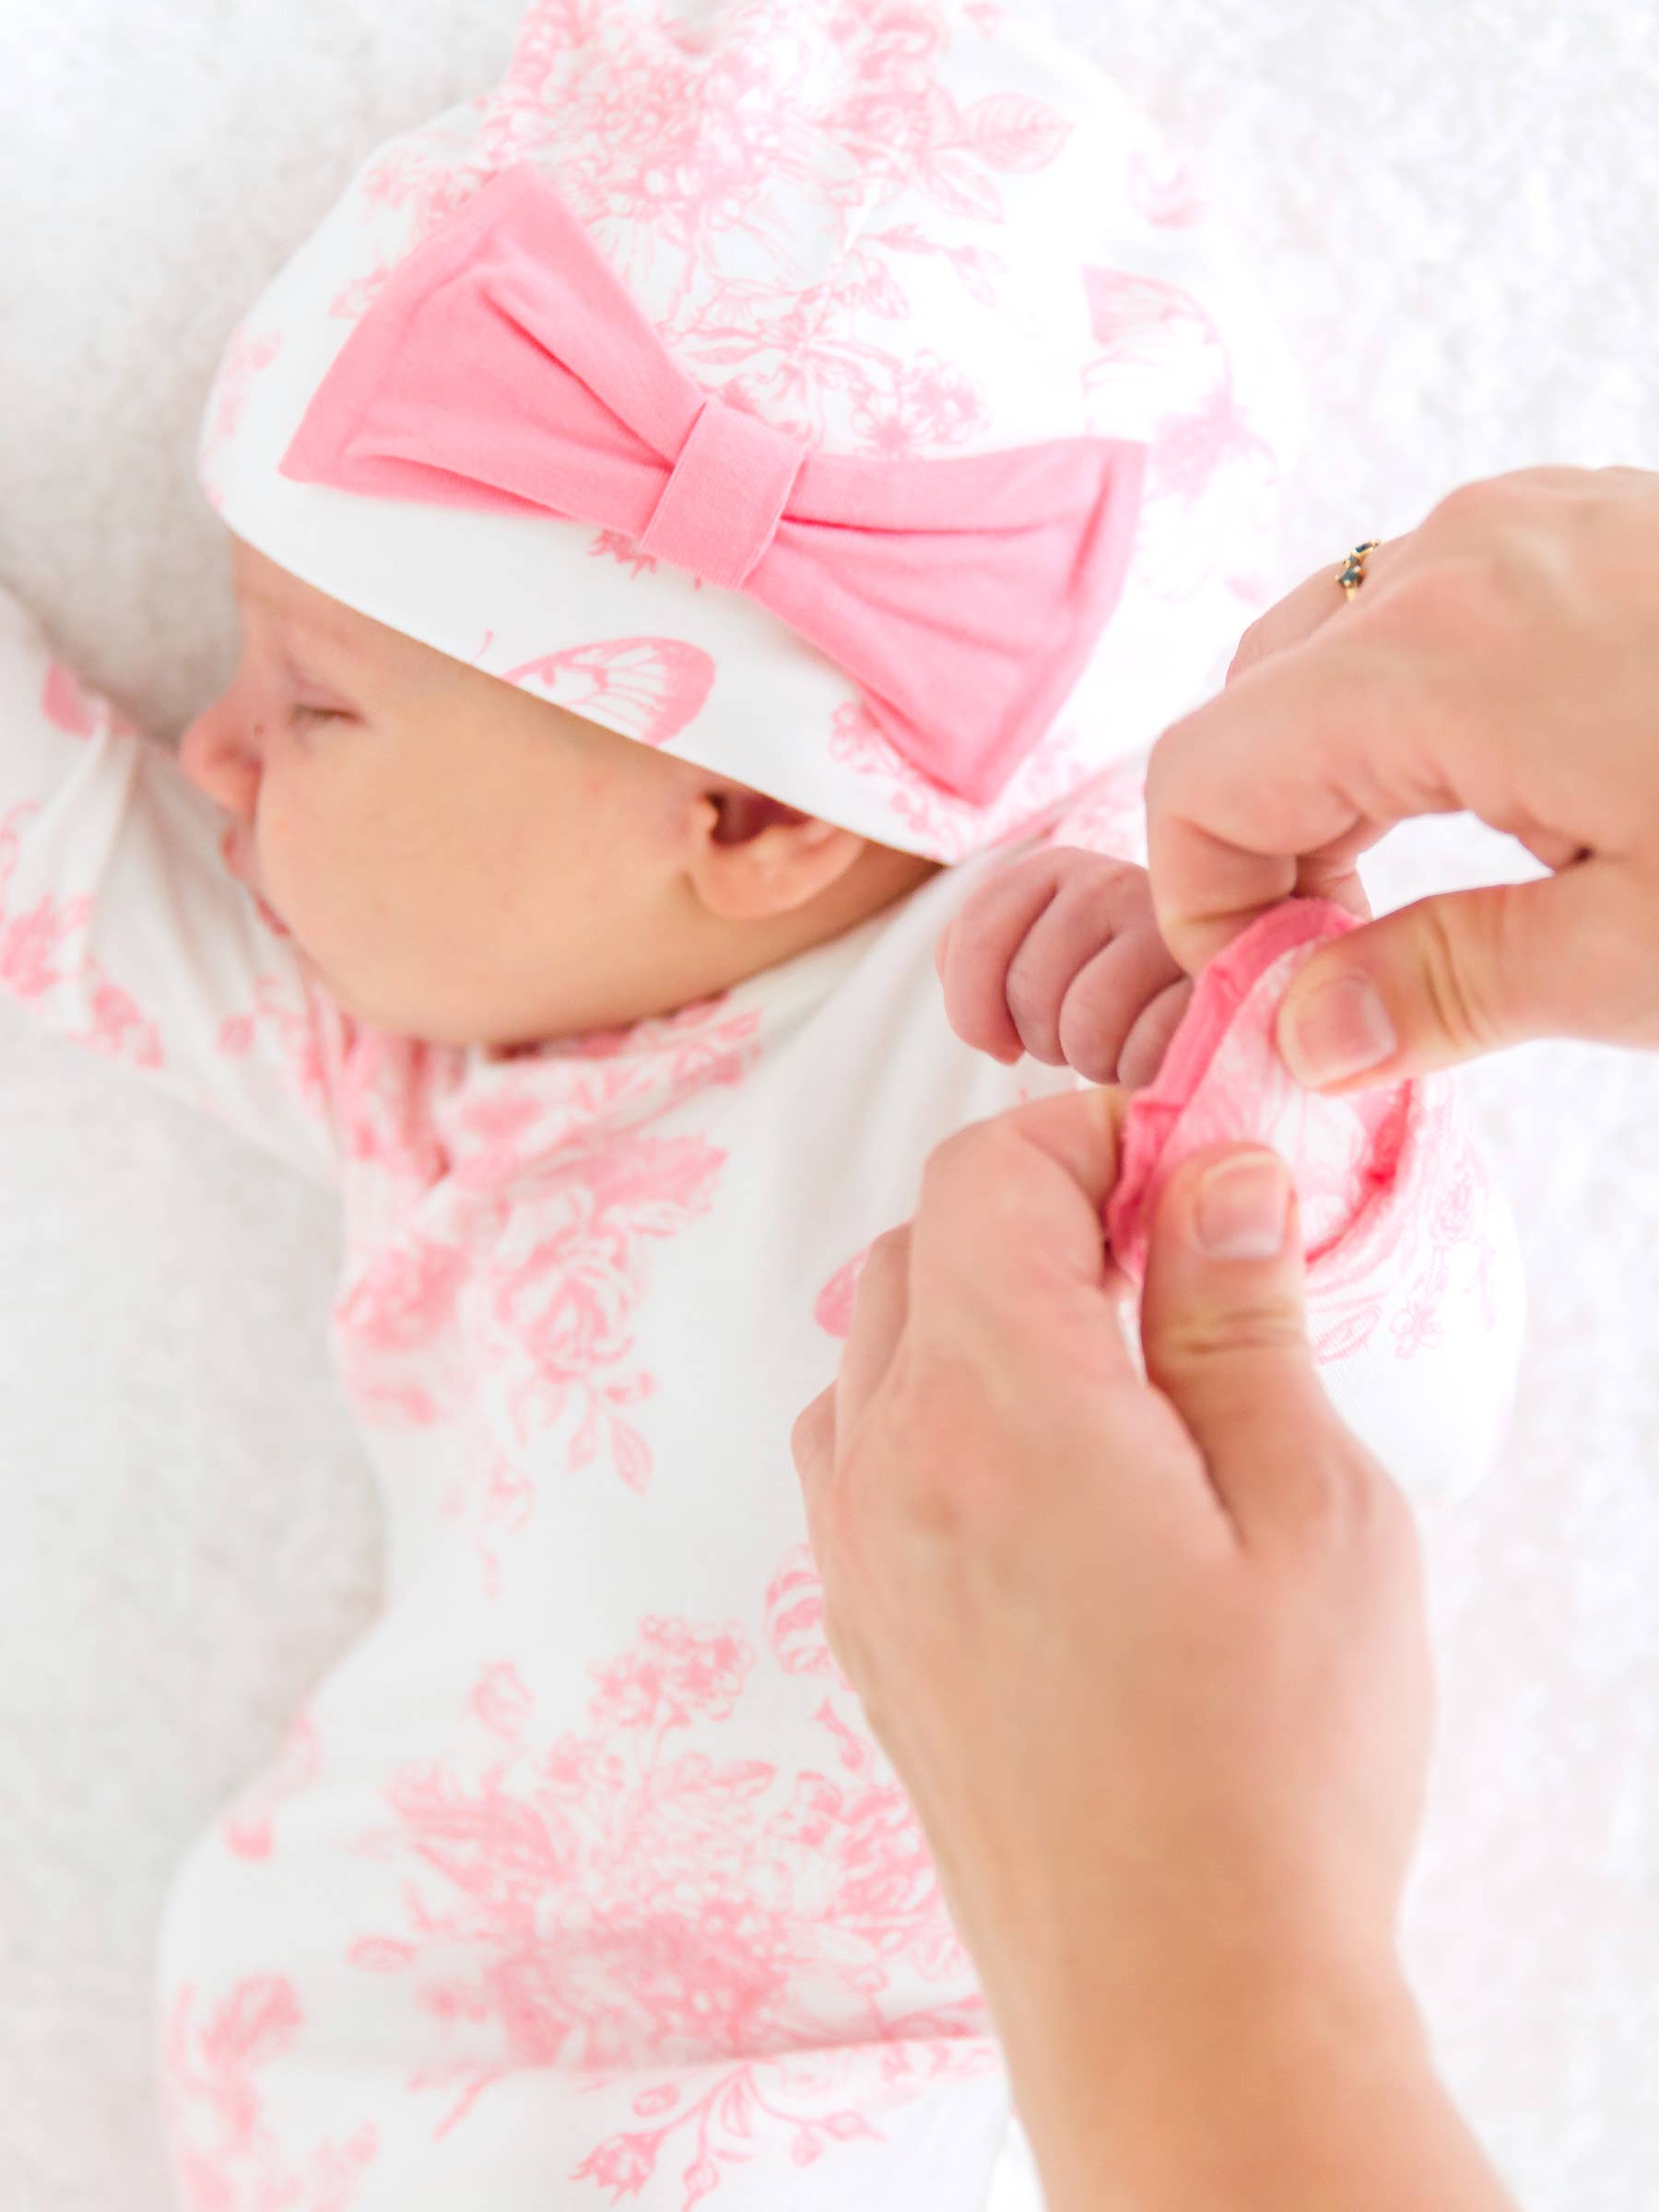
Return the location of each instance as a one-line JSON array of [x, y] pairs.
[[1454, 208]]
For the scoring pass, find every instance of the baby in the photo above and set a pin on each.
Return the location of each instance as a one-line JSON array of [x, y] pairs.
[[704, 519]]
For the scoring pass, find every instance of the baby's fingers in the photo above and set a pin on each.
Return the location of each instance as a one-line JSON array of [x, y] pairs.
[[1122, 1009], [975, 953], [1097, 902], [1148, 1039]]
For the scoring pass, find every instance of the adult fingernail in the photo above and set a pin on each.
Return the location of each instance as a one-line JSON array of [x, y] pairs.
[[1339, 1030], [1240, 1207]]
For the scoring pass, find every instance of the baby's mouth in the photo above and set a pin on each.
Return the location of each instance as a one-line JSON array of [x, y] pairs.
[[233, 851]]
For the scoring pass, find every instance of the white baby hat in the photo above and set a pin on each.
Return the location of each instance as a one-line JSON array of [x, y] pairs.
[[870, 244]]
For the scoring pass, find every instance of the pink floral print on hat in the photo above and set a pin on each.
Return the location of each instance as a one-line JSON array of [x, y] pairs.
[[923, 252]]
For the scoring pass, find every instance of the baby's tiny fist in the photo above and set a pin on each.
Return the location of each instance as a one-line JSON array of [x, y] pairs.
[[1059, 955]]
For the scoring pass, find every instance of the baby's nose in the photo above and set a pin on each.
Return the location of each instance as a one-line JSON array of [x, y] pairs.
[[214, 755]]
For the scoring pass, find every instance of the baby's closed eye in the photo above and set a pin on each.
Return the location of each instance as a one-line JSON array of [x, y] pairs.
[[1060, 955]]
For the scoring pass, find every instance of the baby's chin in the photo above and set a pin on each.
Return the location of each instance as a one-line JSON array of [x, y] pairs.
[[444, 1013], [413, 1013], [397, 1007]]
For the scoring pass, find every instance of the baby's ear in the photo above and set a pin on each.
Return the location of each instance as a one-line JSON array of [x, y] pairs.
[[755, 858]]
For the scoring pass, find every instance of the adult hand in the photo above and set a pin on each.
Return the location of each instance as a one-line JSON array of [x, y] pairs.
[[1502, 658], [1149, 1655]]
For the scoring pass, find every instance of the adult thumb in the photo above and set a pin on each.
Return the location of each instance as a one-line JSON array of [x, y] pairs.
[[1224, 1332], [1452, 977]]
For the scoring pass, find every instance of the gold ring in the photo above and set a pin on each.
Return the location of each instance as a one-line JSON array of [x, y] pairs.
[[1351, 574]]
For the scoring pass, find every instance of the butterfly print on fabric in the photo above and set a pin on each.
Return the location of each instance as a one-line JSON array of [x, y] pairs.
[[646, 688]]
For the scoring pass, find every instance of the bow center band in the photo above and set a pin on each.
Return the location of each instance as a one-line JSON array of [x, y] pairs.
[[721, 507]]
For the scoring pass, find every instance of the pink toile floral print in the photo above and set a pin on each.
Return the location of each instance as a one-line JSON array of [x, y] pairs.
[[639, 1899], [229, 2158], [828, 210], [247, 354], [535, 1293], [45, 960], [1162, 371], [795, 1617], [273, 1014], [621, 116], [586, 1841], [562, 1291]]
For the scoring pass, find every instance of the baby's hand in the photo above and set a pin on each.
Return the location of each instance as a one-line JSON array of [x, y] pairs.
[[1059, 955]]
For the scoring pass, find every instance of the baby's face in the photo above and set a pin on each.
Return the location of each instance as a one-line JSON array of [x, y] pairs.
[[459, 861]]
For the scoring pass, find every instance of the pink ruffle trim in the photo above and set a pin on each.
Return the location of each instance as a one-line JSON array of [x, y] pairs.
[[1223, 1081]]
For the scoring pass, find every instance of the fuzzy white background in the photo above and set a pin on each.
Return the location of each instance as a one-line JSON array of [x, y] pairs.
[[1452, 202]]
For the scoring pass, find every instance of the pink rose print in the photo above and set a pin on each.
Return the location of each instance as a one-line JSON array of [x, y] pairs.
[[38, 961], [388, 1094], [634, 1897], [928, 404], [551, 1316], [394, 1311], [28, 951], [646, 688], [795, 1616], [118, 1027], [298, 1028], [225, 2154], [561, 1306], [543, 1251], [652, 135]]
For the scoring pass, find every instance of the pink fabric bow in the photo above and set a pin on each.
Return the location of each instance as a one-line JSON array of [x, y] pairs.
[[504, 365]]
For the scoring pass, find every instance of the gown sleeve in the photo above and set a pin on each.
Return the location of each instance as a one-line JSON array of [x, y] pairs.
[[121, 927]]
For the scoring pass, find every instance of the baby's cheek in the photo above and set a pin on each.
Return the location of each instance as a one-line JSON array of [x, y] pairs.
[[328, 872]]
